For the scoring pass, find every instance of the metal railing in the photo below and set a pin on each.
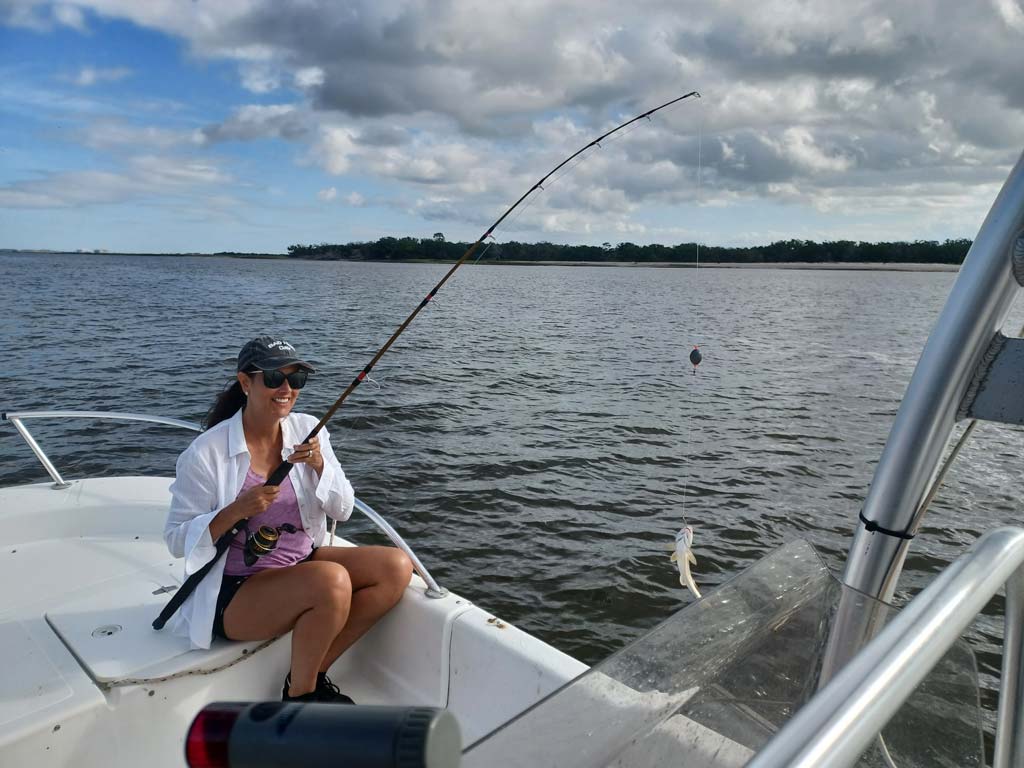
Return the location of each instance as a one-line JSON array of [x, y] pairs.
[[976, 309], [59, 482], [17, 417], [835, 727], [433, 590]]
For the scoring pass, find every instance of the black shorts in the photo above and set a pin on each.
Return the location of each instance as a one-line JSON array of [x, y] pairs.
[[229, 586]]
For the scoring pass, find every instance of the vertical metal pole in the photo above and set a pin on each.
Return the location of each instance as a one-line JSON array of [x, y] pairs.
[[1010, 719], [43, 458], [976, 309]]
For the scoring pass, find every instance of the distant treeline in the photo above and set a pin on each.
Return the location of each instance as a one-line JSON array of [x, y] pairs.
[[839, 251]]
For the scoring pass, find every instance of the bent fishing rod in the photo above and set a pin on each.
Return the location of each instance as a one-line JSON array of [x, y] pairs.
[[278, 475]]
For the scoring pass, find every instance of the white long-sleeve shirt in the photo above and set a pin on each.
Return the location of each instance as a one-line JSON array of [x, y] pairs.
[[209, 475]]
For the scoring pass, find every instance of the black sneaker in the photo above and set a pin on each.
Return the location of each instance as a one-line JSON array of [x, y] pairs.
[[328, 691], [311, 696]]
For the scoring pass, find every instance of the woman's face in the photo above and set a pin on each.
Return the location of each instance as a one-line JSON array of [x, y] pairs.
[[274, 402]]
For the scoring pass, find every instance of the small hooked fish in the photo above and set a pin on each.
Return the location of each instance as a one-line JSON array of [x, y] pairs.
[[683, 558]]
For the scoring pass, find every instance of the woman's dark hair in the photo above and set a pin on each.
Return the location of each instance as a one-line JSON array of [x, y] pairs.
[[228, 403]]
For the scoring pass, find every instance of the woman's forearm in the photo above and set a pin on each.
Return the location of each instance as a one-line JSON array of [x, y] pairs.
[[225, 520]]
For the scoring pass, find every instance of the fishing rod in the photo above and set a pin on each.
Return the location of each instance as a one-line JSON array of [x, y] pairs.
[[278, 475]]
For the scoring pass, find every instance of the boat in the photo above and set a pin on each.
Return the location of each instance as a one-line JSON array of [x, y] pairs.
[[786, 664]]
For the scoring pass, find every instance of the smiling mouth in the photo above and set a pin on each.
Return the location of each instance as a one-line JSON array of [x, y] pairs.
[[282, 400]]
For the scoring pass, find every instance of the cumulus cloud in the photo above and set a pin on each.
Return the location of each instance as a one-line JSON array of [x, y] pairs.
[[309, 77], [1011, 13], [328, 194], [335, 149], [32, 14], [801, 146], [427, 163], [87, 76], [144, 177], [113, 134], [161, 171], [72, 189], [260, 121], [260, 78], [832, 105], [70, 16], [381, 135]]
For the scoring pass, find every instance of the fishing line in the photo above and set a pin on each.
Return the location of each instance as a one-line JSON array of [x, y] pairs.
[[477, 259], [686, 472], [693, 320], [279, 474], [696, 264]]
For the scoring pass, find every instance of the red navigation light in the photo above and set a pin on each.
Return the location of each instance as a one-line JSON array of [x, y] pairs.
[[206, 745]]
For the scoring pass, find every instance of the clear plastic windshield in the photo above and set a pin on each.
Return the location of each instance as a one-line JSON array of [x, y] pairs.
[[711, 685]]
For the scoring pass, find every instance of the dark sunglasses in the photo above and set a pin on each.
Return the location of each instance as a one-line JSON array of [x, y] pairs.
[[274, 379]]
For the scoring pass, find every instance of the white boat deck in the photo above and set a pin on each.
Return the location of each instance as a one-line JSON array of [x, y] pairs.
[[89, 682]]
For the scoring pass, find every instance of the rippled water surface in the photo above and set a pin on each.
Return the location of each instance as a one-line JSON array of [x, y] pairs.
[[536, 434]]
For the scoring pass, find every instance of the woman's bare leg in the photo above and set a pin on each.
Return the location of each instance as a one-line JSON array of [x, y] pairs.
[[313, 599], [379, 577]]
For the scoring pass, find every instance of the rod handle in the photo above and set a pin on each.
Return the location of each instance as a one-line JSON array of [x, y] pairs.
[[278, 475]]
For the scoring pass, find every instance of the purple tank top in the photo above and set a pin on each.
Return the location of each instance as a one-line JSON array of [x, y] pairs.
[[291, 547]]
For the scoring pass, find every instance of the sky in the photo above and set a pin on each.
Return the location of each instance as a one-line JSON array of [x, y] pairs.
[[252, 125]]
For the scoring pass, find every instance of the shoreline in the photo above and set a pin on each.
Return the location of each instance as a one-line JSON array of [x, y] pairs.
[[852, 266]]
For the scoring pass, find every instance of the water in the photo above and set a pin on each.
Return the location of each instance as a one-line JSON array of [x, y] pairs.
[[534, 430]]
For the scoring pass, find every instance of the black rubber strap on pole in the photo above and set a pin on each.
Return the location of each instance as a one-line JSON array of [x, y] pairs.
[[872, 527], [192, 581]]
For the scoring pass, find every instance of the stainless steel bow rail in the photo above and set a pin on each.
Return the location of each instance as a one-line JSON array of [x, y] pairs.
[[965, 357], [967, 370], [843, 718], [16, 418], [60, 482]]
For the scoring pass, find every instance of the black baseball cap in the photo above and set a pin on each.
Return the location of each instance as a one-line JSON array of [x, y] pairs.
[[267, 353]]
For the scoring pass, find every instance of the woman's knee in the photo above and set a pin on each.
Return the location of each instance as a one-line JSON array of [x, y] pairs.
[[330, 583], [398, 569]]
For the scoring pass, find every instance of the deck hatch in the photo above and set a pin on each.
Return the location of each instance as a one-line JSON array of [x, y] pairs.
[[110, 630]]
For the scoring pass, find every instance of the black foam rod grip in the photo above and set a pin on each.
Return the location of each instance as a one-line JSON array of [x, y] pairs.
[[277, 733], [192, 581], [278, 475]]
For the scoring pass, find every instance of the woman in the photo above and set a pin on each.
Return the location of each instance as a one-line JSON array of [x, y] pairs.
[[327, 596]]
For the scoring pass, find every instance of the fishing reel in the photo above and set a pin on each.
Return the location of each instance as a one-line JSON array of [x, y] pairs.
[[263, 541]]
